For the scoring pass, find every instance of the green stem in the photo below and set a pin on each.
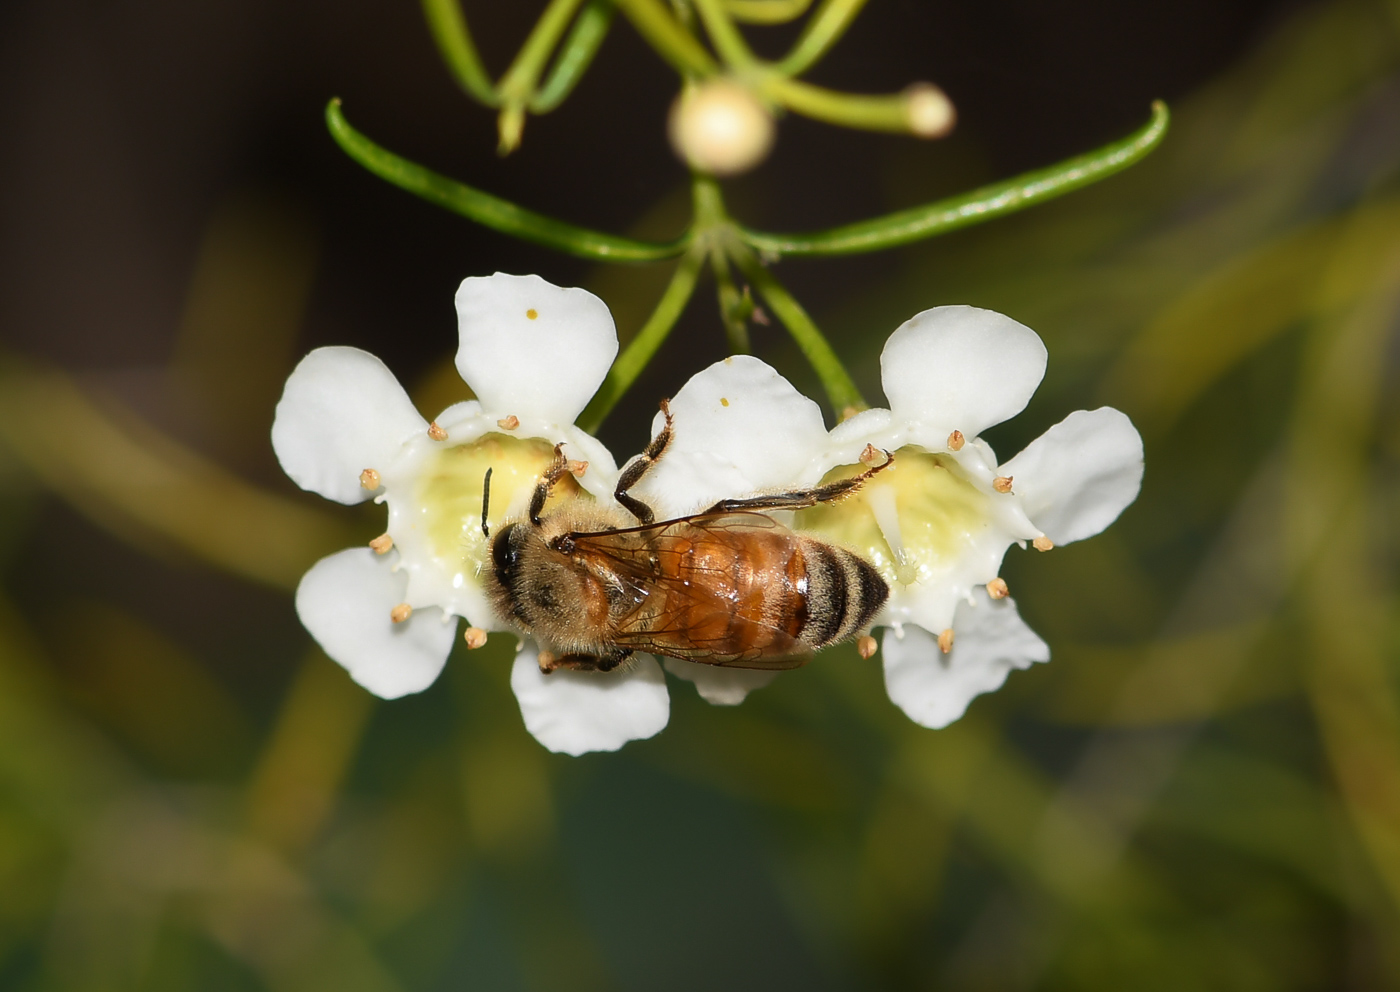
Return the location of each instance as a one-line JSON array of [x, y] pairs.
[[731, 306], [574, 55], [840, 388], [454, 42], [766, 11], [669, 37], [517, 86], [880, 112], [724, 35], [823, 30], [976, 207], [640, 350], [492, 211]]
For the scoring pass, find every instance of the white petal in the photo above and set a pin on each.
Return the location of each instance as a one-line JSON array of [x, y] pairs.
[[341, 412], [344, 601], [719, 686], [960, 368], [1079, 475], [578, 712], [548, 365], [739, 428], [934, 689]]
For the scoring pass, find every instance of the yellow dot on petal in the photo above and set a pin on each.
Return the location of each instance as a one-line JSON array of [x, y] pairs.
[[532, 313], [723, 401]]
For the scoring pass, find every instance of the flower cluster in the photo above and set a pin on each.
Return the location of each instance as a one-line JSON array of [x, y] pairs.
[[936, 523]]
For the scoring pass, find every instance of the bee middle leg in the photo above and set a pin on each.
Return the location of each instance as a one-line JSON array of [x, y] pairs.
[[637, 467], [582, 662], [799, 499]]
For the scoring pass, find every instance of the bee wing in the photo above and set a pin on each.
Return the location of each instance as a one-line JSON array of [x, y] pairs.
[[691, 609]]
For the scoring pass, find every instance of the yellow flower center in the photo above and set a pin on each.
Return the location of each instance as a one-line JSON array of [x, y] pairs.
[[913, 521]]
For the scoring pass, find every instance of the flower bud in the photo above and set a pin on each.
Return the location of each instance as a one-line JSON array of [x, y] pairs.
[[720, 127], [929, 111]]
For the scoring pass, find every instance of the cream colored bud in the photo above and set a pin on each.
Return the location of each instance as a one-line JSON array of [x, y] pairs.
[[475, 637], [865, 646], [369, 479], [720, 127], [928, 110], [401, 613], [1002, 483], [945, 641], [956, 441], [508, 423], [436, 433], [382, 544], [1042, 543], [997, 588]]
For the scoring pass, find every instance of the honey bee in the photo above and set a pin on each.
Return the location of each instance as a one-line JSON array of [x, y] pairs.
[[728, 586]]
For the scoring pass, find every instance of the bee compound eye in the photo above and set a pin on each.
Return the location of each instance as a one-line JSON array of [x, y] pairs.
[[505, 556]]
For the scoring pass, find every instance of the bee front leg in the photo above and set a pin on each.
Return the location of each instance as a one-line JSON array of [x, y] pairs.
[[637, 467], [556, 471], [800, 499]]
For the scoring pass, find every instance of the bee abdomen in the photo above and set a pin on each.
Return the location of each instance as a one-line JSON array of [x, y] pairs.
[[844, 592]]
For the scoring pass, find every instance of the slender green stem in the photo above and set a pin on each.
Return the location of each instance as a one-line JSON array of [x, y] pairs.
[[574, 55], [731, 306], [840, 388], [976, 207], [492, 211], [822, 31], [669, 37], [878, 112], [724, 35], [766, 11], [640, 350], [517, 86], [454, 42]]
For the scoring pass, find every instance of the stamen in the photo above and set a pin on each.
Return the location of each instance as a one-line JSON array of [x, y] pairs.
[[866, 646], [997, 588], [401, 613], [436, 433], [956, 441], [508, 423], [1002, 483], [475, 637], [547, 660], [369, 479], [945, 641], [577, 469], [870, 455], [1042, 543], [382, 544]]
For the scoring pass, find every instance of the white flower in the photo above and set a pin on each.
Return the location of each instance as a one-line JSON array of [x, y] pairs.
[[534, 354], [937, 522]]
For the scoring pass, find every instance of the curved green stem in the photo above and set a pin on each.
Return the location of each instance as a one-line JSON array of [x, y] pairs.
[[869, 112], [840, 388], [731, 306], [454, 42], [766, 11], [640, 350], [822, 31], [967, 209], [669, 37], [517, 86], [723, 34], [492, 211], [574, 55]]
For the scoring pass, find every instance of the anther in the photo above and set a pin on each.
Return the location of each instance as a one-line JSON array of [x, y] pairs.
[[1002, 483], [945, 641], [1042, 543], [436, 433], [547, 660], [870, 455], [577, 469], [508, 423], [997, 588], [956, 441], [369, 479], [865, 646], [401, 613], [382, 544], [475, 637]]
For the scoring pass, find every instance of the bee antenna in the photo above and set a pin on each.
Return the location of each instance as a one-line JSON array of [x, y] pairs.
[[485, 504]]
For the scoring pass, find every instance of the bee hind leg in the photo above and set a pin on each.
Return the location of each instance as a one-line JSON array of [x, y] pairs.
[[582, 662], [634, 470], [799, 499]]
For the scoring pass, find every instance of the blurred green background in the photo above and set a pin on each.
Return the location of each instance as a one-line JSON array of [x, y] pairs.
[[1201, 790]]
